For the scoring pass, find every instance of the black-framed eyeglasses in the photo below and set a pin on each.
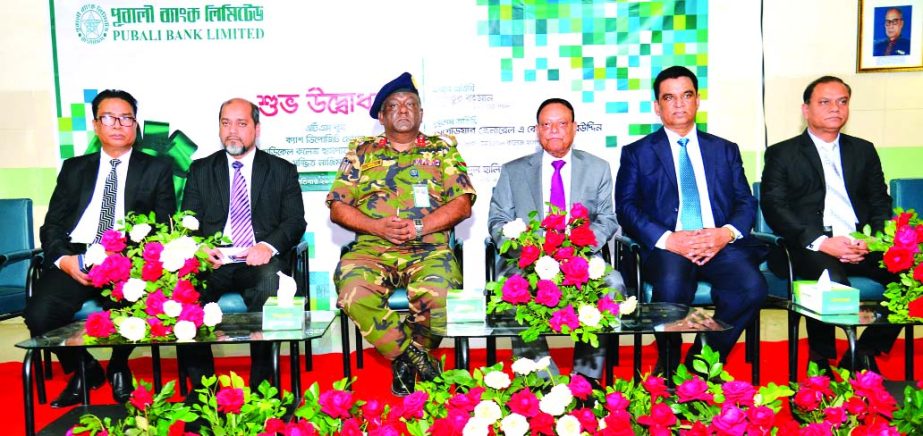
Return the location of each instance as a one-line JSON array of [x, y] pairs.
[[893, 22], [110, 120]]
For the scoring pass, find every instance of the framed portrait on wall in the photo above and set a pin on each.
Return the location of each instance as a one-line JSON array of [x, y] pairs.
[[890, 36]]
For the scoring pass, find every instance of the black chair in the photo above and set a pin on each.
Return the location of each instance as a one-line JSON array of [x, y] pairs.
[[397, 301], [17, 255]]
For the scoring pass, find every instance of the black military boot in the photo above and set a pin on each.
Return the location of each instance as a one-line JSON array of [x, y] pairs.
[[403, 377], [426, 366]]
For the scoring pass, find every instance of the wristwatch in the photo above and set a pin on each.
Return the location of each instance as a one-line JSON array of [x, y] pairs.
[[418, 226]]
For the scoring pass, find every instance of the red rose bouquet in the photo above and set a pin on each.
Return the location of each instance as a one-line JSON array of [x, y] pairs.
[[153, 280], [561, 286], [900, 241]]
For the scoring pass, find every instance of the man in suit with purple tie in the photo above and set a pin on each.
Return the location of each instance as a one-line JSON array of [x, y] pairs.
[[682, 194]]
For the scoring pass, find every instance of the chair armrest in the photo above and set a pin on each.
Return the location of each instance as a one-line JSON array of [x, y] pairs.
[[627, 249], [15, 256], [299, 266], [35, 271], [768, 238]]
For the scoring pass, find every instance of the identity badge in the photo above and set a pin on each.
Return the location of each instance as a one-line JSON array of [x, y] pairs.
[[420, 195]]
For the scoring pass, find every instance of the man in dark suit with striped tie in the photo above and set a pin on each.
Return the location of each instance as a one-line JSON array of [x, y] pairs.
[[253, 198], [92, 194]]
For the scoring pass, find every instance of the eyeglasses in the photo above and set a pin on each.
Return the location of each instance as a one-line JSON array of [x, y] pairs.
[[893, 22], [110, 120]]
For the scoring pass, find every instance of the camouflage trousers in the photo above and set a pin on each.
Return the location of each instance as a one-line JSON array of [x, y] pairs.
[[369, 273]]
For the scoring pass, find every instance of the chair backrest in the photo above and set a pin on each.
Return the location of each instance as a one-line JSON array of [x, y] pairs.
[[760, 224], [907, 194], [17, 235]]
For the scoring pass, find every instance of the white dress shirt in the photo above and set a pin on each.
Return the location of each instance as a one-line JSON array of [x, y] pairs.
[[838, 211], [247, 172], [85, 231]]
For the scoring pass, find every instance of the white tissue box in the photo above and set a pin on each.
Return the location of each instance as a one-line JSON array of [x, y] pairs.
[[839, 299], [276, 317]]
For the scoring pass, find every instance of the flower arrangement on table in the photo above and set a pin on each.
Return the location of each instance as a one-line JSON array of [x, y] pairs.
[[901, 241], [561, 287], [492, 400], [153, 281]]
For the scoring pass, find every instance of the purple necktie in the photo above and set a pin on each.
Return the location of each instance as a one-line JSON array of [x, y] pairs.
[[241, 228], [557, 186]]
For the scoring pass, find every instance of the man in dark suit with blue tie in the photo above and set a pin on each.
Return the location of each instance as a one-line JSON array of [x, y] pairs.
[[682, 194], [254, 198], [93, 193]]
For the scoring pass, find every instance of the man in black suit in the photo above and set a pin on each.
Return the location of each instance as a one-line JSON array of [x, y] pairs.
[[254, 198], [77, 217], [817, 188]]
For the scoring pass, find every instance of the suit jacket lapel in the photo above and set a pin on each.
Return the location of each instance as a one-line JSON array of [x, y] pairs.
[[661, 147], [534, 175], [576, 161], [136, 167], [809, 151], [222, 176], [257, 178], [87, 180], [849, 164], [709, 160]]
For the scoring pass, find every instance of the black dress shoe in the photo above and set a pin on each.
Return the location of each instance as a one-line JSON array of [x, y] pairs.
[[72, 393], [426, 366], [404, 377], [120, 381]]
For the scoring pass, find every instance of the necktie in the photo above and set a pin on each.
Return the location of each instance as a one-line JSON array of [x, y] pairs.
[[890, 47], [557, 185], [691, 213], [838, 211], [107, 212], [241, 227]]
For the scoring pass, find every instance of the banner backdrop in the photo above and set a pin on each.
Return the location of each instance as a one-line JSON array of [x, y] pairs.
[[482, 66]]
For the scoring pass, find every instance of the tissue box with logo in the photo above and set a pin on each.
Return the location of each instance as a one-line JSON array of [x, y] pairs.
[[464, 306], [277, 317], [838, 299]]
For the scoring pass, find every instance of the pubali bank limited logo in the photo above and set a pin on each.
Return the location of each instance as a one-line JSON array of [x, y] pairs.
[[91, 24]]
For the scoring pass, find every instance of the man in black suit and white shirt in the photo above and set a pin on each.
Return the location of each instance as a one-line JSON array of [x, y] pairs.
[[817, 188], [254, 198], [77, 217]]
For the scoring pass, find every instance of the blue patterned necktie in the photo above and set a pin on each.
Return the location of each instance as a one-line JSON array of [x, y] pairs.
[[107, 212], [691, 213], [241, 226]]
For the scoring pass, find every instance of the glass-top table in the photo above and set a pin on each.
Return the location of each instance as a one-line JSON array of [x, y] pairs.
[[648, 318], [236, 328], [870, 314]]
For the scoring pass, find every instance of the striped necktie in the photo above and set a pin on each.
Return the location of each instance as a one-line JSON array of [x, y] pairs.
[[691, 214], [241, 226], [107, 212]]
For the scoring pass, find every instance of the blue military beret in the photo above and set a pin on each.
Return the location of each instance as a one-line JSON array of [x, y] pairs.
[[403, 83]]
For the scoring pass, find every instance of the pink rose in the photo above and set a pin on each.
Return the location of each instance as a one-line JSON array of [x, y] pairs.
[[576, 272], [660, 418], [117, 294], [564, 317], [583, 236], [808, 399], [524, 402], [918, 273], [191, 266], [273, 426], [616, 401], [698, 429], [230, 400], [351, 428], [816, 428], [835, 416], [896, 259], [337, 403], [154, 303], [906, 236], [542, 423], [903, 219], [579, 211], [618, 423], [529, 255], [554, 222], [580, 387], [152, 251], [413, 405], [141, 398], [657, 387], [158, 329], [192, 313], [761, 419], [548, 293], [99, 325], [373, 408], [607, 304], [516, 290], [587, 419], [553, 240], [694, 389], [867, 383], [731, 420], [855, 406], [184, 292], [113, 241], [915, 307], [564, 253], [151, 271], [738, 392], [114, 268]]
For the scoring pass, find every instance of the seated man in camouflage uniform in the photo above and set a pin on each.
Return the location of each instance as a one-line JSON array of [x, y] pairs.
[[402, 192]]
